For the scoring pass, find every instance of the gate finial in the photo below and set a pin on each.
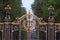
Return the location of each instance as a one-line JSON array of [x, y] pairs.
[[7, 9], [51, 12]]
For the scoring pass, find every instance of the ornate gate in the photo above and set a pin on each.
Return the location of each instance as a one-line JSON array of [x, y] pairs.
[[30, 28]]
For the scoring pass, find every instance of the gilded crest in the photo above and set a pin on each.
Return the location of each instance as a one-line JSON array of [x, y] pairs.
[[27, 26]]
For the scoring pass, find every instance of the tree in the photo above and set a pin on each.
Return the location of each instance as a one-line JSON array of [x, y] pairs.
[[23, 11], [16, 10], [1, 10], [36, 7], [40, 8], [57, 12]]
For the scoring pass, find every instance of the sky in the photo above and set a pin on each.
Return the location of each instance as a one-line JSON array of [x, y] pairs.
[[27, 5]]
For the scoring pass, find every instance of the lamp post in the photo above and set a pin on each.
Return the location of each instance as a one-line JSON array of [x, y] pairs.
[[7, 10]]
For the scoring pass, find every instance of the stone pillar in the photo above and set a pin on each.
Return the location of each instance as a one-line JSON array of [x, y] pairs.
[[51, 25], [51, 32], [7, 27], [7, 32]]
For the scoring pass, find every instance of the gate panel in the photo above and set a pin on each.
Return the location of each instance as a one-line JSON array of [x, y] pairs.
[[16, 35], [0, 35]]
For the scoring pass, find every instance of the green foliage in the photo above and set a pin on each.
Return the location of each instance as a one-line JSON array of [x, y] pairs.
[[36, 7], [23, 11], [40, 8], [16, 10], [1, 10]]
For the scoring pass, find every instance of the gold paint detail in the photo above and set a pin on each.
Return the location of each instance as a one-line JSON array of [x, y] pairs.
[[2, 30], [25, 25], [26, 28], [12, 30]]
